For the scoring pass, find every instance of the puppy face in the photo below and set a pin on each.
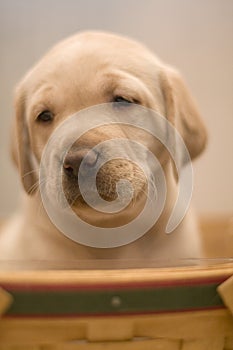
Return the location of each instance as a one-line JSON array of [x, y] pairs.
[[87, 70]]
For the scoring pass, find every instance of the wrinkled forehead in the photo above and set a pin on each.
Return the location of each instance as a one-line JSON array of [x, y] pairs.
[[89, 53], [97, 69]]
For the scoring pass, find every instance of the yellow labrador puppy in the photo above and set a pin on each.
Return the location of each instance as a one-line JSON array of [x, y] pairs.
[[89, 69]]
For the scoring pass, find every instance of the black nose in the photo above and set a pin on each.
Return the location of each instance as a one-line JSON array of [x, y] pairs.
[[74, 159]]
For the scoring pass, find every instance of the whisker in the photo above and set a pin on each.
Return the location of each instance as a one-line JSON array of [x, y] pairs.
[[42, 182], [37, 184], [34, 187], [30, 172]]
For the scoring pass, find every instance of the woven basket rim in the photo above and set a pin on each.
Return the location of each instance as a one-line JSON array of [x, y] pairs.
[[117, 275]]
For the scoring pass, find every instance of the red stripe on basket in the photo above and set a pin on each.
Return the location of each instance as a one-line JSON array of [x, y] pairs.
[[118, 314], [109, 286]]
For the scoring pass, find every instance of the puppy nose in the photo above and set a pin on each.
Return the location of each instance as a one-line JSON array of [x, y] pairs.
[[74, 159]]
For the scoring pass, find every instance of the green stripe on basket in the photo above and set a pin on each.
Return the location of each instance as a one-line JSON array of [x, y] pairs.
[[164, 299]]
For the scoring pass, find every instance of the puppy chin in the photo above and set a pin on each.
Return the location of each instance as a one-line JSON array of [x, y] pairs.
[[109, 220]]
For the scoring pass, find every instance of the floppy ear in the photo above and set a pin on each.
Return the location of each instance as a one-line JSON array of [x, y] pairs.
[[182, 111], [20, 145]]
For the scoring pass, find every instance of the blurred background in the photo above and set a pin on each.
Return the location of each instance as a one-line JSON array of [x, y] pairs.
[[194, 36]]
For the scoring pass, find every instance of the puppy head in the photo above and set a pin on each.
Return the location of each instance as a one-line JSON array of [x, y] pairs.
[[90, 69]]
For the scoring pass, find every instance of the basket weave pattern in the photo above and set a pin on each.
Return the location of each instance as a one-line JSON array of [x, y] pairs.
[[154, 309]]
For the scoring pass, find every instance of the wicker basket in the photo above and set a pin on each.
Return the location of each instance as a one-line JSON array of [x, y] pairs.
[[152, 308]]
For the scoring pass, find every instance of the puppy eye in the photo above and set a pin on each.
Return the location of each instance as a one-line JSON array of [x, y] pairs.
[[122, 100], [45, 117]]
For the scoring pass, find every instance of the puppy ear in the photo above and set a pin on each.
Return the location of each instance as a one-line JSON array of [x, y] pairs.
[[20, 145], [182, 112]]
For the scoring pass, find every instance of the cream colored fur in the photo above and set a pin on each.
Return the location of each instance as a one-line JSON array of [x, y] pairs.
[[85, 70]]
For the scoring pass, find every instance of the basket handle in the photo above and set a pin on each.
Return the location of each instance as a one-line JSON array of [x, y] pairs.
[[6, 300], [226, 291]]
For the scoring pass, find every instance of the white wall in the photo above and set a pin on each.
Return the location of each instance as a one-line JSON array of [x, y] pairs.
[[195, 36]]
